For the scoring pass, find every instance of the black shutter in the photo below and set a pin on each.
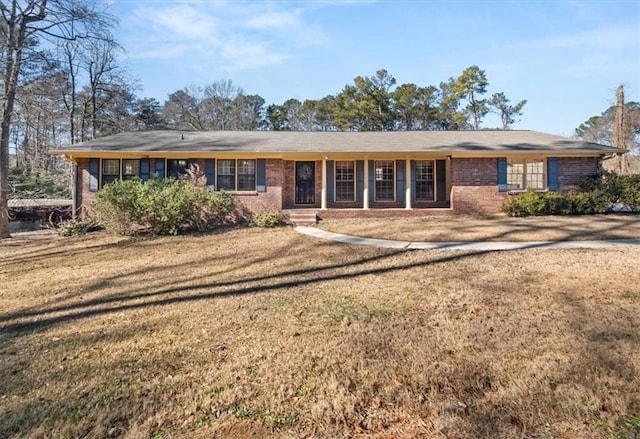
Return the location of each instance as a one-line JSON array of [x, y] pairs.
[[441, 180], [94, 174], [144, 169], [502, 175], [261, 175], [552, 169], [159, 169], [400, 180], [359, 180], [210, 171], [330, 181]]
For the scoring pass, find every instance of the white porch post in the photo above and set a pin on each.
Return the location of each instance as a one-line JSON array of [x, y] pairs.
[[407, 183], [365, 192], [323, 202]]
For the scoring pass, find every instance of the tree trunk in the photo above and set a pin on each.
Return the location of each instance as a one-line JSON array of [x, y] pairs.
[[16, 33], [618, 129]]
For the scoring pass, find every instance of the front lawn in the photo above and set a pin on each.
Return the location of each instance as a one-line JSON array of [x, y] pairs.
[[268, 333]]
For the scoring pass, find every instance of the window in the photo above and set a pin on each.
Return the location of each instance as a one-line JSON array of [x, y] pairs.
[[424, 180], [345, 181], [110, 170], [246, 175], [384, 180], [176, 167], [525, 174], [130, 169], [226, 175]]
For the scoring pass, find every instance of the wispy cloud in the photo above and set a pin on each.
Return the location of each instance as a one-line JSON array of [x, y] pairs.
[[229, 35]]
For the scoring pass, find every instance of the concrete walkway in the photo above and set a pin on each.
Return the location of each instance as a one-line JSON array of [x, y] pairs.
[[478, 246]]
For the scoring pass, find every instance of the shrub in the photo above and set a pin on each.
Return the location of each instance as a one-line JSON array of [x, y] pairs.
[[556, 203], [74, 227], [266, 220], [616, 189], [166, 207]]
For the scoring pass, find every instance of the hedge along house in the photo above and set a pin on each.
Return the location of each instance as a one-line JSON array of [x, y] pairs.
[[345, 173]]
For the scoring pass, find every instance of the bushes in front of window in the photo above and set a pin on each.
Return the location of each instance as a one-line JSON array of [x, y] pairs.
[[166, 207], [531, 203], [266, 220], [601, 193]]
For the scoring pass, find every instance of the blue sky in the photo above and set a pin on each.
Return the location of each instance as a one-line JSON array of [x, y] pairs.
[[565, 58]]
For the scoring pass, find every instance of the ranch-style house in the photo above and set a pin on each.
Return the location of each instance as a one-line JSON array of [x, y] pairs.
[[345, 173]]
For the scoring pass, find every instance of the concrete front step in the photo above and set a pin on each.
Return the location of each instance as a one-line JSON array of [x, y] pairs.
[[301, 218]]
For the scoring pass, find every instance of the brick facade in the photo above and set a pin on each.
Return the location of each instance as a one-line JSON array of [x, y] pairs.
[[473, 186], [571, 171], [85, 196], [269, 201]]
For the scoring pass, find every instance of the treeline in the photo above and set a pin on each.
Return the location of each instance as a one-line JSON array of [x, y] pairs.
[[371, 103]]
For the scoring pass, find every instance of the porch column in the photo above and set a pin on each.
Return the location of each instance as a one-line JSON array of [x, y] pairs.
[[365, 192], [323, 197], [407, 183]]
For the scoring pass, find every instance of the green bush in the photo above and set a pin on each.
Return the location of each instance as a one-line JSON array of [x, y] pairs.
[[266, 220], [166, 207], [599, 194], [617, 189], [555, 203]]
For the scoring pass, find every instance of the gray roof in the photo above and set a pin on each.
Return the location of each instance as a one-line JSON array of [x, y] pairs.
[[323, 141]]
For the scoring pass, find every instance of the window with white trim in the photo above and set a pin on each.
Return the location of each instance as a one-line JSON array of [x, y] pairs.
[[242, 180], [110, 170], [130, 169], [345, 180], [525, 174], [384, 180], [424, 180]]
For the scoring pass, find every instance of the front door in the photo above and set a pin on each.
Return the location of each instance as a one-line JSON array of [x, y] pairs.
[[305, 183]]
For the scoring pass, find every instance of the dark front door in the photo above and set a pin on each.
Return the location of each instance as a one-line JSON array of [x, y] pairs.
[[305, 182]]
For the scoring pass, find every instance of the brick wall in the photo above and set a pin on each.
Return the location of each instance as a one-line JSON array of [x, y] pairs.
[[268, 201], [247, 203], [571, 170], [474, 172], [85, 196], [474, 186]]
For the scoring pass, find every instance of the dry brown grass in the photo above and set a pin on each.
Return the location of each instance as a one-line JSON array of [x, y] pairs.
[[267, 333], [496, 228]]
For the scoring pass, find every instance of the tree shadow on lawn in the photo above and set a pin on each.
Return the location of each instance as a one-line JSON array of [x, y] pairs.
[[459, 228], [475, 418], [43, 318]]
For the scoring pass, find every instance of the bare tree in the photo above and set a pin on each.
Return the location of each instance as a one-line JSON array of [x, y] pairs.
[[25, 24]]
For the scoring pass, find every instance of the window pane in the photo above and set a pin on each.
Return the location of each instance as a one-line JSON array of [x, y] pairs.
[[424, 180], [515, 175], [246, 175], [130, 169], [110, 170], [535, 174], [176, 167], [227, 175], [384, 180], [344, 181]]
